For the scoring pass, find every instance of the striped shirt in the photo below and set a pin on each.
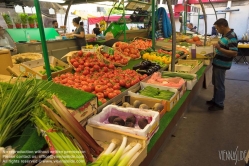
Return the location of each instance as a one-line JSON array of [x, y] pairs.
[[228, 42]]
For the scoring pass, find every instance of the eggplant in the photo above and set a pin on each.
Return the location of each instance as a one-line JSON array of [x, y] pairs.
[[150, 71], [138, 66]]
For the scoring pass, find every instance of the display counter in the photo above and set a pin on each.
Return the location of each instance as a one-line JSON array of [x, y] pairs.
[[56, 48], [170, 119]]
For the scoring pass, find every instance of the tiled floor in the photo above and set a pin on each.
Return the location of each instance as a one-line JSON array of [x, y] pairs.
[[202, 137]]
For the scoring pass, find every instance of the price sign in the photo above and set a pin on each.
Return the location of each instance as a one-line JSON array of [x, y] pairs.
[[108, 50]]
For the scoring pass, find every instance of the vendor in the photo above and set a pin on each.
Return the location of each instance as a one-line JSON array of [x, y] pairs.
[[79, 33], [191, 28], [55, 24], [110, 40], [4, 42], [96, 30]]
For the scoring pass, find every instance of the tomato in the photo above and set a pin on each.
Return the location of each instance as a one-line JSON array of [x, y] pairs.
[[100, 95], [122, 82], [76, 64], [105, 93], [72, 60], [99, 88], [102, 64], [82, 78], [116, 87], [111, 66], [105, 69], [84, 83], [109, 85], [85, 72], [127, 84], [78, 69], [80, 53], [111, 95], [96, 67], [117, 92], [109, 90], [102, 100]]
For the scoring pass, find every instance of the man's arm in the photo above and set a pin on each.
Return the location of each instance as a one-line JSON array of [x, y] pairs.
[[230, 53]]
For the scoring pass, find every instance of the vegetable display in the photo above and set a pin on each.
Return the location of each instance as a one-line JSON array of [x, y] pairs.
[[141, 44], [127, 49], [52, 69], [156, 93], [92, 75], [117, 58], [184, 76], [146, 67]]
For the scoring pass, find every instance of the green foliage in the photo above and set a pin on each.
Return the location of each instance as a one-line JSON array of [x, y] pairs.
[[7, 19], [24, 18], [32, 18]]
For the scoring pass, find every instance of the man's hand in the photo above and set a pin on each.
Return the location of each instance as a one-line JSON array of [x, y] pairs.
[[217, 46]]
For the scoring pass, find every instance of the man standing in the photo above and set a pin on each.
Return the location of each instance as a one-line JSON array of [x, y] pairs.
[[225, 50], [55, 24]]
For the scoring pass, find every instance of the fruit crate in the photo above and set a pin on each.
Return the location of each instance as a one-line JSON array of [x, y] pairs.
[[104, 135], [101, 120], [32, 68], [169, 104], [185, 66]]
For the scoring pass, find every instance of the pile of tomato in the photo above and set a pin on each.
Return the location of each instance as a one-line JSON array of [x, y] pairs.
[[92, 75], [116, 58], [142, 44], [128, 50]]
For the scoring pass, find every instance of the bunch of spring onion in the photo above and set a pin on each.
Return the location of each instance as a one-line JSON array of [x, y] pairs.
[[62, 117], [17, 100], [61, 145], [121, 156]]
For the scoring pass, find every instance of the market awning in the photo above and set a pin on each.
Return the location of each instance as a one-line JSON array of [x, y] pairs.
[[94, 20], [82, 14]]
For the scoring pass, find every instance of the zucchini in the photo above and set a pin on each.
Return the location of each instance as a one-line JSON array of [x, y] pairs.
[[184, 76]]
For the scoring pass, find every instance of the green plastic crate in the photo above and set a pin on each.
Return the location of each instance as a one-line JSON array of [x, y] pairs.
[[115, 28]]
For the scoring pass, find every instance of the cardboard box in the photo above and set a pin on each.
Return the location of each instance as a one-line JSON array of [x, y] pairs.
[[169, 104], [86, 111], [101, 120], [5, 61], [103, 136], [179, 67], [149, 102], [32, 68]]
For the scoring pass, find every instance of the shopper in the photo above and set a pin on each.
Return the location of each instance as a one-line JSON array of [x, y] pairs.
[[55, 24], [214, 31], [79, 33], [225, 50], [4, 42], [96, 30], [191, 27], [110, 40]]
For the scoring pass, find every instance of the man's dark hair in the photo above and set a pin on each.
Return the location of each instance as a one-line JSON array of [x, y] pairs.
[[54, 22], [221, 22]]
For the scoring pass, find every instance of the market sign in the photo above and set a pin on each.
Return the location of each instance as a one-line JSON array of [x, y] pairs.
[[205, 1]]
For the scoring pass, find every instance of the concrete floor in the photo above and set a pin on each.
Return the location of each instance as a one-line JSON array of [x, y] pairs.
[[201, 137]]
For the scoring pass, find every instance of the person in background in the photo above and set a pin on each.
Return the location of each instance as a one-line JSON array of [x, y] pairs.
[[4, 42], [191, 28], [55, 24], [79, 33], [225, 50], [110, 40], [214, 31], [82, 24], [96, 30]]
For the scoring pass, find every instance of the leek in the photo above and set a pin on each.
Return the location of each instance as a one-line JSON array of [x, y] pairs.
[[129, 155], [119, 153], [127, 149], [16, 103]]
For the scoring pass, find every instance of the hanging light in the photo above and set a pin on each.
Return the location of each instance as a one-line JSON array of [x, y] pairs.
[[55, 1]]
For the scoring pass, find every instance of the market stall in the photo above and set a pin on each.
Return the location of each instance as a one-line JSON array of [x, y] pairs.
[[117, 104]]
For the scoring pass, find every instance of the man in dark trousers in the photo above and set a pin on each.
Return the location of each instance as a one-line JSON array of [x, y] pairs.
[[225, 50]]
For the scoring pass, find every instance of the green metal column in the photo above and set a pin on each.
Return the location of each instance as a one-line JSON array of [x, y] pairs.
[[124, 21], [173, 26], [205, 21], [153, 24], [43, 39]]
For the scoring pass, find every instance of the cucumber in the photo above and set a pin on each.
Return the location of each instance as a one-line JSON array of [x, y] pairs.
[[184, 76]]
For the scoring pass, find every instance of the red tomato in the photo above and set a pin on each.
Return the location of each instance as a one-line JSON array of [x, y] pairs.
[[102, 64], [72, 60], [80, 53], [109, 90], [85, 72], [100, 95], [105, 93], [111, 95], [84, 83], [111, 66], [116, 87], [99, 88], [76, 64], [82, 78], [127, 84], [109, 85], [122, 82], [96, 67], [117, 92], [105, 69]]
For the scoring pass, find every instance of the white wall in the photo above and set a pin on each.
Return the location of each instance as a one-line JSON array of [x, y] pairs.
[[239, 20]]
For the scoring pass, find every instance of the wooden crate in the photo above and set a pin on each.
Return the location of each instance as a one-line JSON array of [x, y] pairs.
[[104, 136], [186, 69], [32, 68]]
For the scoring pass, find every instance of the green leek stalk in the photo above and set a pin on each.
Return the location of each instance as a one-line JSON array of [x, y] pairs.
[[126, 150], [119, 153], [129, 155], [17, 100], [60, 142]]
